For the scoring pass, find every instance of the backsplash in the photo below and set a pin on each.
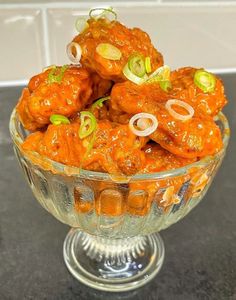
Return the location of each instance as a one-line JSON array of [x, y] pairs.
[[187, 33]]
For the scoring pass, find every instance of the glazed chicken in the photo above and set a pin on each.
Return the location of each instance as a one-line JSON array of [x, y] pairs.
[[159, 159], [184, 88], [118, 110], [116, 78], [197, 137], [58, 90], [115, 148], [127, 41]]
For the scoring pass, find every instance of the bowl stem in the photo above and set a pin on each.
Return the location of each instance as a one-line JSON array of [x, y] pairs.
[[113, 265]]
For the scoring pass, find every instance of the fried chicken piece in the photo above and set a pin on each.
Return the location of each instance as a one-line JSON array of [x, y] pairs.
[[183, 88], [196, 137], [59, 143], [158, 159], [128, 41], [58, 91], [116, 149]]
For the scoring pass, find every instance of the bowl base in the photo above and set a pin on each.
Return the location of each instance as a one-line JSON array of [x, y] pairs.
[[113, 265]]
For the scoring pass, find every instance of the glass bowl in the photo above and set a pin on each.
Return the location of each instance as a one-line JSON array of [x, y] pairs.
[[113, 244]]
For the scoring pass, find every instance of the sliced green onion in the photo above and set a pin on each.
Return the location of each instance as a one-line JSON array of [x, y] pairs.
[[74, 52], [89, 148], [182, 104], [165, 85], [108, 51], [81, 25], [162, 73], [205, 81], [59, 119], [148, 64], [97, 13], [56, 74], [49, 67], [99, 103], [146, 124], [136, 65], [161, 76], [88, 124], [132, 77]]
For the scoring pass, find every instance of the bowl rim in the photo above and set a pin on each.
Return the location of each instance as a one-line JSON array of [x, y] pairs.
[[77, 172]]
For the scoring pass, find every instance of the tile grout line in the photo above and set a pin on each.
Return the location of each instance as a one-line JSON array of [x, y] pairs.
[[19, 82], [45, 37], [44, 9]]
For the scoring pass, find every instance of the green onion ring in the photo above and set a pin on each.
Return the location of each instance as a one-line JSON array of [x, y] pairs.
[[88, 124], [162, 73], [161, 76], [59, 119], [205, 81], [99, 103], [182, 104], [146, 123], [104, 12], [132, 77], [81, 25], [136, 65], [75, 58], [108, 51], [148, 66]]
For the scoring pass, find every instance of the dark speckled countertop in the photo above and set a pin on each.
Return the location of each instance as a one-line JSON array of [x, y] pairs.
[[200, 261]]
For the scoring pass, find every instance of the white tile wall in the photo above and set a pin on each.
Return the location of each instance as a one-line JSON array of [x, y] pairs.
[[21, 50], [187, 34], [61, 24]]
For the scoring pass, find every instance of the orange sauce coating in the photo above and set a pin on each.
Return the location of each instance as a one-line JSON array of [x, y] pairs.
[[42, 99], [128, 41], [116, 149]]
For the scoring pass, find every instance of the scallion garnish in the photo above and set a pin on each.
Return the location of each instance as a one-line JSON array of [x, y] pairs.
[[81, 24], [59, 119], [88, 124], [162, 73], [143, 124], [74, 52], [56, 74], [89, 147], [108, 51], [99, 103], [135, 69], [161, 76], [132, 77], [148, 64], [178, 116], [136, 65], [205, 81], [165, 85], [97, 13]]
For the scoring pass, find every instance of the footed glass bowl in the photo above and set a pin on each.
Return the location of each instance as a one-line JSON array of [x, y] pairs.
[[113, 244]]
